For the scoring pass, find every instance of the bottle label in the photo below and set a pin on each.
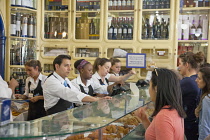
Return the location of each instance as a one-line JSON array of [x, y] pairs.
[[115, 30], [17, 25], [30, 30], [24, 29], [119, 31], [123, 3], [114, 3], [125, 30], [119, 3], [192, 31], [110, 30], [199, 30], [129, 30], [110, 3], [13, 29]]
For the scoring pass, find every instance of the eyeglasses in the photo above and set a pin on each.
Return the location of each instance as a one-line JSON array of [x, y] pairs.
[[156, 71]]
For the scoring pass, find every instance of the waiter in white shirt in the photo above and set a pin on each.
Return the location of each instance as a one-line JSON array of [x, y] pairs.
[[59, 93]]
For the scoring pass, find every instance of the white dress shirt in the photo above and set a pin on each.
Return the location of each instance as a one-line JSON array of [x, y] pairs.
[[114, 74], [97, 88], [53, 90], [5, 92], [96, 77], [34, 84]]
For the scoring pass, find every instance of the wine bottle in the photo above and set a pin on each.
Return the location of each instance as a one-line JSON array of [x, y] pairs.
[[119, 5], [30, 26], [192, 30], [24, 26], [18, 23], [110, 5], [13, 25], [111, 29], [130, 29], [119, 29], [198, 33]]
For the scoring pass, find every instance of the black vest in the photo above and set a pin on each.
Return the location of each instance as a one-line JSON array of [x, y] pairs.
[[36, 110], [61, 104], [90, 92]]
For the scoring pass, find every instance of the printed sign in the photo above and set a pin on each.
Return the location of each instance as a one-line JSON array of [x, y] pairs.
[[136, 60]]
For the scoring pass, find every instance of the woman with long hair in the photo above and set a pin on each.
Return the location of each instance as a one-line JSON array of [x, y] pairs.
[[168, 115], [202, 111]]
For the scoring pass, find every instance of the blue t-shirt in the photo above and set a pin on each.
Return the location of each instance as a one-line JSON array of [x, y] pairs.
[[190, 96]]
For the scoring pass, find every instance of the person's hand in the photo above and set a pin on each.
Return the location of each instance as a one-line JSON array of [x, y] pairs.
[[132, 72], [13, 84], [197, 112], [34, 99], [107, 97], [141, 114]]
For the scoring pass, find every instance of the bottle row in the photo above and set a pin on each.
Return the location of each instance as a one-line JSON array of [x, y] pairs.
[[156, 4], [59, 5], [21, 51], [24, 3], [195, 3], [121, 4], [156, 30], [23, 25], [56, 27], [93, 5], [193, 27], [87, 28], [121, 28]]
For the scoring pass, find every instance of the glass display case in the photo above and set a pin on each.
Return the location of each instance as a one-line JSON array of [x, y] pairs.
[[56, 19], [99, 120], [88, 19]]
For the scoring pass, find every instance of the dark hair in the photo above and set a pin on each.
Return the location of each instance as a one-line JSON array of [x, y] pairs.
[[34, 63], [58, 60], [76, 64], [168, 91], [206, 78], [99, 61], [114, 61], [205, 65], [195, 60]]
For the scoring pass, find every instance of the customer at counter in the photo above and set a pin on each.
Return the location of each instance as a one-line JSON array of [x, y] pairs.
[[7, 90], [202, 111], [59, 92], [101, 68], [84, 82], [168, 116], [189, 64], [33, 90]]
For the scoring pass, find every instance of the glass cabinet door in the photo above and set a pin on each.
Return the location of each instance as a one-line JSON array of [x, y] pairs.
[[87, 19], [120, 19], [56, 19], [155, 20]]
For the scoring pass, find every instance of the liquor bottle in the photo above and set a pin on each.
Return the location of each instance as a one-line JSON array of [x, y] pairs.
[[154, 26], [192, 30], [24, 26], [60, 27], [144, 4], [198, 33], [164, 32], [111, 29], [12, 55], [124, 29], [91, 29], [130, 29], [157, 4], [150, 35], [91, 6], [34, 27], [200, 3], [52, 27], [119, 5], [167, 4], [158, 35], [18, 23], [128, 5], [132, 4], [30, 26], [114, 35], [161, 6], [110, 5], [119, 30], [46, 27], [13, 25], [168, 28], [114, 5], [162, 25], [123, 3], [206, 3], [195, 2], [65, 29]]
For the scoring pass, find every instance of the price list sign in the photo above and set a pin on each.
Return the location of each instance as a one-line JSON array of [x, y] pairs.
[[136, 60]]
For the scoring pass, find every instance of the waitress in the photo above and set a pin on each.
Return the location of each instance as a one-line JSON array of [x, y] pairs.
[[84, 82], [33, 90]]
